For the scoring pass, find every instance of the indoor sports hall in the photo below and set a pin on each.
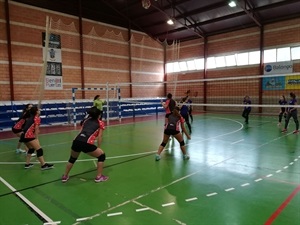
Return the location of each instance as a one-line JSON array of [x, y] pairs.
[[232, 70]]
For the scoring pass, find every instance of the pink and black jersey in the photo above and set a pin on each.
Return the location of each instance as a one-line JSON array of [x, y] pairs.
[[30, 125], [90, 130], [174, 123]]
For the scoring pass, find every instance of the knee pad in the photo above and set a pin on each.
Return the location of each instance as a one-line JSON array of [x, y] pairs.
[[181, 143], [101, 158], [39, 152], [72, 160], [163, 144], [30, 151]]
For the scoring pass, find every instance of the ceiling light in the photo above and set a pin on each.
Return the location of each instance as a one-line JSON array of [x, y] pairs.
[[232, 4], [170, 22]]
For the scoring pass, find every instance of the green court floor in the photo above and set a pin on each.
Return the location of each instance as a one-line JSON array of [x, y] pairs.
[[237, 175]]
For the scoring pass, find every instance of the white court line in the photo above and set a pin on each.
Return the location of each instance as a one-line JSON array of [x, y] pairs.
[[191, 199], [211, 194], [30, 204], [142, 209], [269, 175], [291, 163], [114, 214], [82, 219], [168, 204], [229, 189], [244, 185], [285, 167], [52, 223], [237, 141], [146, 207], [278, 171], [259, 179]]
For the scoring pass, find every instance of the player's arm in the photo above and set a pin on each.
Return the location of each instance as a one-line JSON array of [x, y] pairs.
[[184, 130], [99, 138]]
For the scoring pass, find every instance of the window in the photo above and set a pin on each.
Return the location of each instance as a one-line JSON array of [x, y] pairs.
[[270, 56], [254, 57], [230, 60], [242, 59], [183, 66], [176, 67], [170, 68], [199, 63], [191, 65], [283, 54], [295, 53], [211, 63], [220, 61]]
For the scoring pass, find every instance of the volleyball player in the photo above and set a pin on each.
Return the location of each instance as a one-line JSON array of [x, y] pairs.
[[247, 108], [30, 138], [17, 128], [99, 104], [189, 101], [184, 111], [169, 105], [292, 112], [172, 128], [282, 112], [92, 129]]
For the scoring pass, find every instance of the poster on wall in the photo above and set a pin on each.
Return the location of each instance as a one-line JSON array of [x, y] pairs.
[[53, 77], [276, 82]]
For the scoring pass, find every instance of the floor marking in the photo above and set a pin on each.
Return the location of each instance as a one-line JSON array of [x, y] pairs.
[[285, 167], [269, 175], [146, 207], [211, 194], [278, 171], [246, 184], [82, 219], [114, 214], [30, 204], [259, 179], [282, 206], [52, 223], [295, 160], [179, 222], [229, 189], [168, 204], [142, 209], [291, 163], [232, 143], [191, 199]]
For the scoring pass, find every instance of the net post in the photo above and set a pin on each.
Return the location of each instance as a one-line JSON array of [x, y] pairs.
[[119, 103], [74, 106], [107, 105]]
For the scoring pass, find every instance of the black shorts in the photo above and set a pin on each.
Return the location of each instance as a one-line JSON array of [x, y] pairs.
[[171, 132], [80, 146], [25, 140], [16, 131]]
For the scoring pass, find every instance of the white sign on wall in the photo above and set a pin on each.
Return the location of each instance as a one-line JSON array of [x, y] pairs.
[[278, 68]]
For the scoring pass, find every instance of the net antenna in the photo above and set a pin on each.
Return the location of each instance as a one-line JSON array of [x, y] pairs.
[[44, 68]]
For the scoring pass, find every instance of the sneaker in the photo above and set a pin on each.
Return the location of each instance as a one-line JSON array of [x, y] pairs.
[[157, 157], [32, 155], [47, 166], [284, 130], [101, 178], [64, 178], [186, 157], [27, 166], [295, 131], [20, 151]]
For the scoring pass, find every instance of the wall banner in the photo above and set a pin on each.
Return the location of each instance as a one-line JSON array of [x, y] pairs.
[[53, 78], [278, 68]]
